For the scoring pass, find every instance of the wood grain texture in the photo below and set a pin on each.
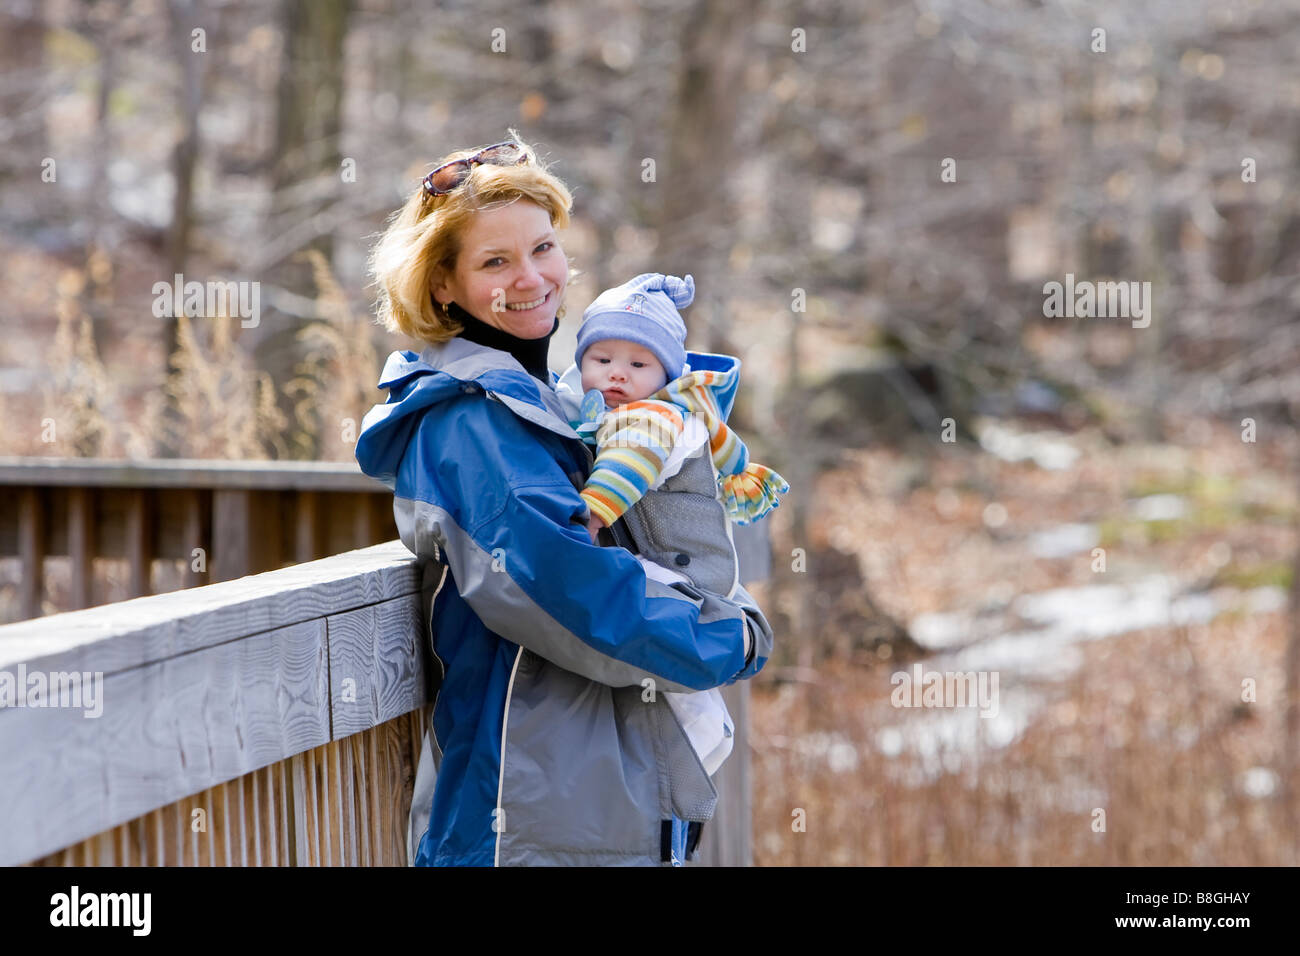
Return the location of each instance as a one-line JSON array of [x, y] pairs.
[[361, 518], [267, 551], [31, 549], [232, 534], [300, 852], [398, 782], [308, 530], [139, 544], [187, 473], [345, 799], [167, 729], [375, 664], [250, 822], [133, 633], [357, 747], [195, 525], [81, 545], [284, 836]]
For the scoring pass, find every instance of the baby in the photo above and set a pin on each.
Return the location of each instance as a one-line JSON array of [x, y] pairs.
[[652, 410], [653, 417]]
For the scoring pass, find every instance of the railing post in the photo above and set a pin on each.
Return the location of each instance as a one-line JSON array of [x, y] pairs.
[[139, 544], [81, 545], [364, 519], [143, 511], [195, 537], [231, 514], [31, 549], [307, 543]]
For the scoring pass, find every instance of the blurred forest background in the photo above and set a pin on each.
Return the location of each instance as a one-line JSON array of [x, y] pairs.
[[956, 457]]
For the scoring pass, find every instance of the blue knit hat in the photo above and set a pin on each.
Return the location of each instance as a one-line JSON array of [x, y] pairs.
[[642, 310]]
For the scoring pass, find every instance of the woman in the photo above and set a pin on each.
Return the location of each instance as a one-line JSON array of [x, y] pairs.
[[551, 740]]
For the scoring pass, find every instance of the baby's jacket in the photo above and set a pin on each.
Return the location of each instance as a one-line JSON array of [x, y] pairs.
[[635, 440], [651, 452]]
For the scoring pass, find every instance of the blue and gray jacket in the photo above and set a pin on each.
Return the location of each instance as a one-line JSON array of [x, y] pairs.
[[551, 743]]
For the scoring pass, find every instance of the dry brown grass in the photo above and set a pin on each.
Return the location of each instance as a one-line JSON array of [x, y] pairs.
[[79, 397], [335, 384], [222, 405], [225, 407], [1151, 730]]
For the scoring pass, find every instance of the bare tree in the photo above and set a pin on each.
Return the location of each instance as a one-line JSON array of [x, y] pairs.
[[695, 201]]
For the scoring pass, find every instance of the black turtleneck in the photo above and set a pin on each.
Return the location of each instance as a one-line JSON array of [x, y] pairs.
[[530, 353]]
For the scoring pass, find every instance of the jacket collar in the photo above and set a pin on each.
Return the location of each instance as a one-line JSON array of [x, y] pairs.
[[494, 372]]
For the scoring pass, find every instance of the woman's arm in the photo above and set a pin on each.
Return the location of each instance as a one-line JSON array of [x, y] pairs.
[[483, 490]]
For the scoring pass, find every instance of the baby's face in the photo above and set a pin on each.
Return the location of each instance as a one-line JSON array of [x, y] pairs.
[[623, 371]]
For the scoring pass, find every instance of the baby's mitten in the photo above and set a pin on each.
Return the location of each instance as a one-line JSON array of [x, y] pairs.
[[752, 493]]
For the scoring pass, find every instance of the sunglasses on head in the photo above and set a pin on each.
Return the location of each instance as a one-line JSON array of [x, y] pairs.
[[450, 175]]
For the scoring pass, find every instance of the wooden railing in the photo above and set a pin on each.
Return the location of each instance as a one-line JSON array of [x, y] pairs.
[[271, 720], [285, 706], [216, 520]]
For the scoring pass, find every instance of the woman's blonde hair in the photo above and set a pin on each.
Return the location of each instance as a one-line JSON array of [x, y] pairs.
[[425, 237]]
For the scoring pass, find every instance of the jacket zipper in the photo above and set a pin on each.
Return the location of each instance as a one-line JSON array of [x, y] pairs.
[[622, 536], [499, 820], [433, 733]]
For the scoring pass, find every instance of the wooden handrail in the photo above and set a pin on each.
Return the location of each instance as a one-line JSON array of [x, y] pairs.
[[215, 520], [202, 686], [186, 473], [288, 706]]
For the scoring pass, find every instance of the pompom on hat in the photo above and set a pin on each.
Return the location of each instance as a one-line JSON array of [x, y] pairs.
[[642, 310]]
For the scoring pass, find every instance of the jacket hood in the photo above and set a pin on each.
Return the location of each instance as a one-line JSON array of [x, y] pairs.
[[723, 387], [418, 382]]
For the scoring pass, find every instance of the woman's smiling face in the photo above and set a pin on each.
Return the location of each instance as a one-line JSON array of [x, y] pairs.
[[511, 271]]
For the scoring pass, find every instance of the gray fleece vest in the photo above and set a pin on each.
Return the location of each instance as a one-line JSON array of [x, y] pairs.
[[683, 525]]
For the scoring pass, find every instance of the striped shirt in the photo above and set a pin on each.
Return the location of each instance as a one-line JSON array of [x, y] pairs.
[[635, 440]]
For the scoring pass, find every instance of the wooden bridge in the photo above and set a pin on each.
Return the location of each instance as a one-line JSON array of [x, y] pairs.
[[270, 719], [214, 520]]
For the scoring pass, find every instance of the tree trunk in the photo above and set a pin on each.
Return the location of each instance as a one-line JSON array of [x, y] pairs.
[[22, 46], [309, 117], [692, 186], [307, 171], [183, 20]]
